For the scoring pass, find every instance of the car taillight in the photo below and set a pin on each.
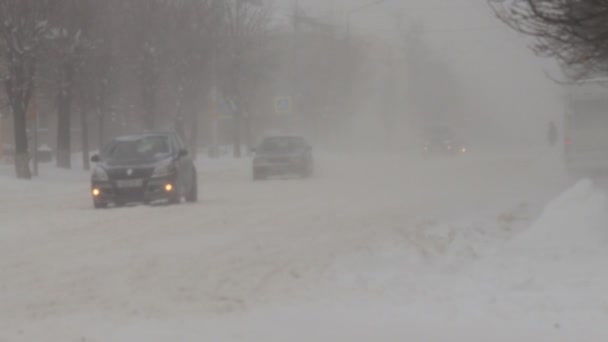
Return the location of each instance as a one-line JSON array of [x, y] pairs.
[[568, 141]]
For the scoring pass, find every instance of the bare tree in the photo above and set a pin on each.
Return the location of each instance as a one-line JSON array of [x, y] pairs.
[[69, 41], [197, 22], [145, 42], [24, 25], [130, 61], [96, 77], [247, 20], [573, 32]]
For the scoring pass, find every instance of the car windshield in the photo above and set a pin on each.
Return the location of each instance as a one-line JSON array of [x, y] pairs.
[[281, 145], [439, 133], [144, 148]]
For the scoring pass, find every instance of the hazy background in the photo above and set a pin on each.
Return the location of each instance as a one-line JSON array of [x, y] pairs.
[[507, 97]]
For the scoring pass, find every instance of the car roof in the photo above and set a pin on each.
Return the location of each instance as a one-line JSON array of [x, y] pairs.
[[283, 137], [134, 137]]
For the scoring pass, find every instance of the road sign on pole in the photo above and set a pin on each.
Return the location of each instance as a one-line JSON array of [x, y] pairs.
[[283, 105]]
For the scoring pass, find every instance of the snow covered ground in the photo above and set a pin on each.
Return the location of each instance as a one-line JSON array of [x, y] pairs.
[[377, 248]]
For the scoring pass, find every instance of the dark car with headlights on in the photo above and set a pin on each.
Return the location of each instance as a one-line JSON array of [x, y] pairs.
[[143, 168], [441, 140], [282, 155]]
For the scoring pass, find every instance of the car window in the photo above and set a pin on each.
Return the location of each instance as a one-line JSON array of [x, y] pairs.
[[175, 143], [179, 143], [144, 148], [282, 145]]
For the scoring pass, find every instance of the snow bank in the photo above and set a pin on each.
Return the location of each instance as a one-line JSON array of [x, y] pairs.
[[574, 223], [556, 269], [546, 281], [573, 226]]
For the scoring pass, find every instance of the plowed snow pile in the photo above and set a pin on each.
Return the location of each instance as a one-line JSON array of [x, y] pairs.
[[556, 269]]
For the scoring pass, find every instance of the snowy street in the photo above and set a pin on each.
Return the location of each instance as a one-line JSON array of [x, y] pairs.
[[369, 248], [308, 171]]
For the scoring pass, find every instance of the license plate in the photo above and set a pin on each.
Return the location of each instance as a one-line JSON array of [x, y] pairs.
[[130, 183]]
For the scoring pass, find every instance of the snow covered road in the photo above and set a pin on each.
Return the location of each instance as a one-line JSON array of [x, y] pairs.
[[365, 249]]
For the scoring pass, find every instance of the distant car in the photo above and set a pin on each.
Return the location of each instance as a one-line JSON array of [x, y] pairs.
[[282, 155], [143, 168], [441, 140]]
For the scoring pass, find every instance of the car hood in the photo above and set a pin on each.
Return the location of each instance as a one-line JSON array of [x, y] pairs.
[[278, 155], [116, 164]]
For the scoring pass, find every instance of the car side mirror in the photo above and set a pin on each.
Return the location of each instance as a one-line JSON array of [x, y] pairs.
[[183, 153], [95, 158]]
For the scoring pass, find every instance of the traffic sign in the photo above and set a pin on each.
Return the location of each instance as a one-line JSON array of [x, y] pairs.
[[283, 105]]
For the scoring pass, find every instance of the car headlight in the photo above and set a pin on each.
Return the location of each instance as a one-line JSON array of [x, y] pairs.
[[163, 169], [99, 174]]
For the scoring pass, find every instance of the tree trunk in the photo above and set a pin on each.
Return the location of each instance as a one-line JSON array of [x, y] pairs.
[[149, 86], [249, 133], [22, 158], [149, 104], [237, 135], [100, 130], [64, 114], [84, 129], [101, 115], [101, 99], [194, 134], [19, 87]]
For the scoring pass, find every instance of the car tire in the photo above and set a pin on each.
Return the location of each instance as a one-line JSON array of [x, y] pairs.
[[193, 193], [308, 171], [100, 205], [175, 199], [258, 175]]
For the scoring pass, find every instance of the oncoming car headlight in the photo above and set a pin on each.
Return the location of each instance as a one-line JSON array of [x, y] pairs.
[[99, 174], [163, 169]]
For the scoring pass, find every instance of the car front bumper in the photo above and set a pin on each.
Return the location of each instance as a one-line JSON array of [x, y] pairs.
[[151, 190], [279, 168]]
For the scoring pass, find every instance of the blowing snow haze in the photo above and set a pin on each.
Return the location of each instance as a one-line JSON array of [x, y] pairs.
[[300, 170], [504, 95]]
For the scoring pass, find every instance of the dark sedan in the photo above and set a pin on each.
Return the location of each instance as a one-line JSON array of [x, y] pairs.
[[143, 168], [441, 140], [283, 155]]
